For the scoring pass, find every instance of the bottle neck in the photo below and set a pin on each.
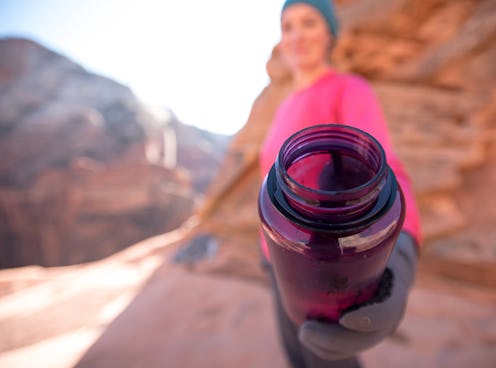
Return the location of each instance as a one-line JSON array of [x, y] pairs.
[[333, 176]]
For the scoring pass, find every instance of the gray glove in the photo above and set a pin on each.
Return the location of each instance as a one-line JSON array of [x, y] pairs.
[[369, 324]]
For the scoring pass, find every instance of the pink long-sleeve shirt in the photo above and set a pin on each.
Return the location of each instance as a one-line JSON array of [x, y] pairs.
[[341, 99]]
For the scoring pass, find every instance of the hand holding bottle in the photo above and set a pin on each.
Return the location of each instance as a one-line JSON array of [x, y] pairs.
[[369, 324]]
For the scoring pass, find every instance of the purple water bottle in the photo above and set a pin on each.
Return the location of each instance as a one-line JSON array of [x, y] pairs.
[[331, 211]]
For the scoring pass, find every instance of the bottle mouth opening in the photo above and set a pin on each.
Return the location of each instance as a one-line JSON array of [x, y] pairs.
[[332, 175], [332, 221], [353, 161]]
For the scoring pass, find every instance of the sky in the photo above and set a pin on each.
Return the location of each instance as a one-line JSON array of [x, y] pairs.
[[204, 60]]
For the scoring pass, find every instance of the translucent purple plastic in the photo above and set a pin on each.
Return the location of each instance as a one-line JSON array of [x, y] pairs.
[[331, 211]]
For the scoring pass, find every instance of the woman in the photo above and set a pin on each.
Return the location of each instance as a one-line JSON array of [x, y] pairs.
[[323, 95]]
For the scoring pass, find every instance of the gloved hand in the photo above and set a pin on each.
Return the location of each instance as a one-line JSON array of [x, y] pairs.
[[369, 324]]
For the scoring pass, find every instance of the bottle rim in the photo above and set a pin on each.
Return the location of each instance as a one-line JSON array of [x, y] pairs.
[[382, 205], [359, 134], [335, 211]]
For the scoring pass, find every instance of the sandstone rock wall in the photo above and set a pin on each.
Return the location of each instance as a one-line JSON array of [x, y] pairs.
[[86, 169]]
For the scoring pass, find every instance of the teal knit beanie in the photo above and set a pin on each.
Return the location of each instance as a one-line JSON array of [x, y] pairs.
[[325, 7]]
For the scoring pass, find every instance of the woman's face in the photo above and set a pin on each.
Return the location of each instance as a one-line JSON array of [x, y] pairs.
[[305, 37]]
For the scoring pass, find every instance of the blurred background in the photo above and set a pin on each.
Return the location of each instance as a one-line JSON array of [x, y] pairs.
[[170, 53], [129, 138]]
